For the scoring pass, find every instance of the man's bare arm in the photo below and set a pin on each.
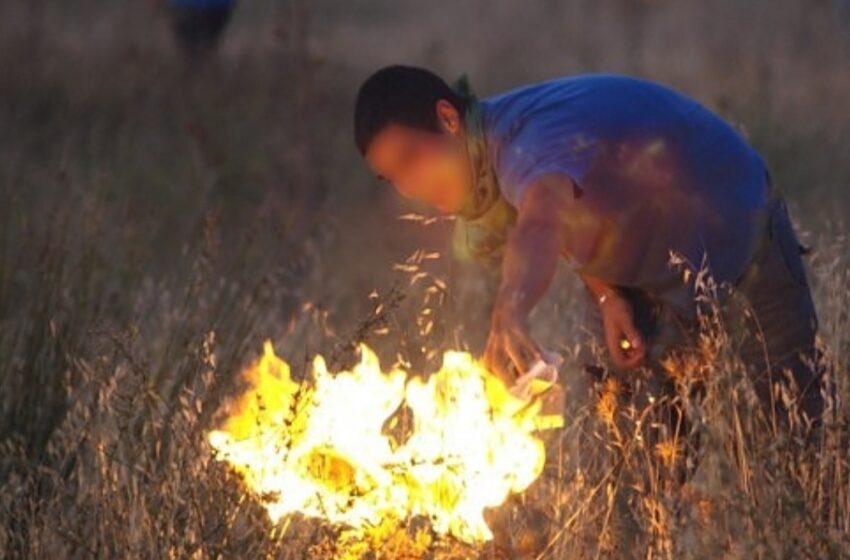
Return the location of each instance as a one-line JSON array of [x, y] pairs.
[[529, 265], [535, 245], [530, 262]]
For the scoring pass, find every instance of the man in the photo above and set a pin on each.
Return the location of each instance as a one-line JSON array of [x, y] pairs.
[[615, 175]]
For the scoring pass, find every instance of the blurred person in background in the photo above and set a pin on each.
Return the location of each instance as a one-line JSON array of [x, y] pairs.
[[199, 24]]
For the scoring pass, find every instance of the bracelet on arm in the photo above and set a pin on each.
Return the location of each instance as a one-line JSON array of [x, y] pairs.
[[605, 296]]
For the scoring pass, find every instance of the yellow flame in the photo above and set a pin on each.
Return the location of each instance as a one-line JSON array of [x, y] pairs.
[[325, 447]]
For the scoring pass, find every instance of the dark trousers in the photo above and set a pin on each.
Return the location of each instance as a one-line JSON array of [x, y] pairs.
[[779, 337]]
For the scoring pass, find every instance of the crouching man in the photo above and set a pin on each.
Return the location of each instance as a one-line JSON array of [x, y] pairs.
[[615, 175]]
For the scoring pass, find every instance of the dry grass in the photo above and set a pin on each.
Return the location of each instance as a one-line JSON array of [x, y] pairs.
[[156, 226]]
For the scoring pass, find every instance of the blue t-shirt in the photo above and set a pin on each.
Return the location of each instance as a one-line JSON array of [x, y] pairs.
[[654, 172]]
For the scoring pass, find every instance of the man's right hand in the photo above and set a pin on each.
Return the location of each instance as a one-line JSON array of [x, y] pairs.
[[510, 349], [624, 341]]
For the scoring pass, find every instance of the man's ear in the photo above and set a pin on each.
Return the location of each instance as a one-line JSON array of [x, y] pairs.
[[448, 117]]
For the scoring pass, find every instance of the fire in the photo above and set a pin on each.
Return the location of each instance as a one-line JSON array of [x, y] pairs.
[[330, 447]]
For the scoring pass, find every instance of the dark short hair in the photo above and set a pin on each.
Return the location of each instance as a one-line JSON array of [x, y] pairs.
[[403, 95]]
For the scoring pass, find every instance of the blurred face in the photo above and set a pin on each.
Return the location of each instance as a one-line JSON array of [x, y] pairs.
[[430, 167]]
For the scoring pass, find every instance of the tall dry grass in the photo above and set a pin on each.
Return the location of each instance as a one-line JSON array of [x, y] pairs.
[[156, 225]]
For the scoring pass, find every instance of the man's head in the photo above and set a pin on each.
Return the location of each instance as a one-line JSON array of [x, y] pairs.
[[408, 124]]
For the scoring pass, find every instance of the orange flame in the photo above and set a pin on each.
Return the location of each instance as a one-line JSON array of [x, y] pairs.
[[321, 448]]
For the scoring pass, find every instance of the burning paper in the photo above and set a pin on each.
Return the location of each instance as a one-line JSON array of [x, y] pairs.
[[326, 447]]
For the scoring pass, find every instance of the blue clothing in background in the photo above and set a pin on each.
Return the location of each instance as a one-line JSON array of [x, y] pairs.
[[202, 4], [198, 24], [654, 172]]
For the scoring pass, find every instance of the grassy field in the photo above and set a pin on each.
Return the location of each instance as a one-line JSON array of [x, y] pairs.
[[157, 223]]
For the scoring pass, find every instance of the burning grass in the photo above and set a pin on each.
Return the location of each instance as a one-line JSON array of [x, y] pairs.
[[320, 447]]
